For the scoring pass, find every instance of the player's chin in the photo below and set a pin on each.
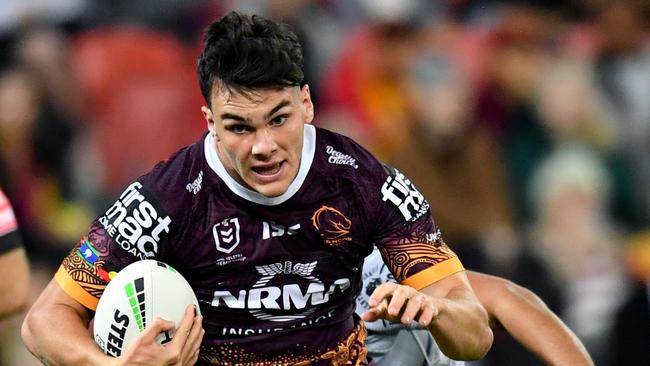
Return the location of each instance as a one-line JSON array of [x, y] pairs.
[[272, 189]]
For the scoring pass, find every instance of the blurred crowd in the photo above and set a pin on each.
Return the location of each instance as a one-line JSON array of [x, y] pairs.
[[526, 125]]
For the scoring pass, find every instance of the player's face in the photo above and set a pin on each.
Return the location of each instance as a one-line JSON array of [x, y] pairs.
[[259, 136]]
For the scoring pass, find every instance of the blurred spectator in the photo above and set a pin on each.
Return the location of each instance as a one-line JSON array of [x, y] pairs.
[[453, 162], [515, 56], [623, 67], [569, 110], [366, 82], [39, 120], [16, 13], [576, 238], [47, 218], [135, 100]]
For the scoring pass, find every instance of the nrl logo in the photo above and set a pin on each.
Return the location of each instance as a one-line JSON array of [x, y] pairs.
[[226, 235]]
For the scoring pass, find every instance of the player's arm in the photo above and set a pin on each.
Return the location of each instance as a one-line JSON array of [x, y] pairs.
[[14, 281], [448, 308], [14, 269], [527, 318], [433, 289], [55, 330]]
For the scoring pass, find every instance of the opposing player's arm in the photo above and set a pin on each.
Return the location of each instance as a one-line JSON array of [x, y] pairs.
[[527, 318], [447, 307], [14, 286], [14, 268]]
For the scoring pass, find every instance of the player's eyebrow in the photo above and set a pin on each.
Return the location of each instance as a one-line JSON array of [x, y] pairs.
[[273, 110], [279, 106], [233, 117]]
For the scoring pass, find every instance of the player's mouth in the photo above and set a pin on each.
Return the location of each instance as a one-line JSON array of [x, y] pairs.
[[268, 172]]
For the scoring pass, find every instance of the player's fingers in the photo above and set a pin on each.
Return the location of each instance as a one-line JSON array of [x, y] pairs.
[[375, 312], [429, 312], [184, 328], [413, 307], [399, 297], [194, 338], [381, 292], [195, 357], [156, 327]]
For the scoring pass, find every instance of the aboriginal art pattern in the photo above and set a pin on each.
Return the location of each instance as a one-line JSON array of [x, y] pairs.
[[406, 255]]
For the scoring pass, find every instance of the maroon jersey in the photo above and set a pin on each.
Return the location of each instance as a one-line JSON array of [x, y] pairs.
[[276, 277]]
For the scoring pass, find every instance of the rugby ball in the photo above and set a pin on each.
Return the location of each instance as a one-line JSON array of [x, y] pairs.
[[138, 293]]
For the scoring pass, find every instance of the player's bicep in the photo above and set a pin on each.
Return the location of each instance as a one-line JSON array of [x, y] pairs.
[[55, 298], [420, 258]]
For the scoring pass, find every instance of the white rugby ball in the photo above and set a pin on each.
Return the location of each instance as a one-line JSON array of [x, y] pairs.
[[138, 293]]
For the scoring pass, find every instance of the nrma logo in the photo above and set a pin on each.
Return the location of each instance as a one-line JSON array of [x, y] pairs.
[[285, 302]]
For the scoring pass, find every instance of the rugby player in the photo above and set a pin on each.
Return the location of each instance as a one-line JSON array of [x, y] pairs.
[[510, 307], [269, 218], [14, 268]]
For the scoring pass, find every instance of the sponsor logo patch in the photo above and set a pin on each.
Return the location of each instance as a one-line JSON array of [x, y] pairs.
[[135, 223], [195, 186], [271, 229], [432, 238], [398, 190], [88, 253], [337, 157], [275, 297], [332, 225]]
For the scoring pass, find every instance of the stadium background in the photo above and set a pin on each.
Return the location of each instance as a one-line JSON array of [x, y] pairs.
[[526, 124]]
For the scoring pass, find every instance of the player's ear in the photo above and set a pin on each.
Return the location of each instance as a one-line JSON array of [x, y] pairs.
[[209, 119], [307, 105]]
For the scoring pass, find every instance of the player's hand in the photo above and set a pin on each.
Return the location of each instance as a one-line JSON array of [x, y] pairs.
[[399, 303], [182, 350]]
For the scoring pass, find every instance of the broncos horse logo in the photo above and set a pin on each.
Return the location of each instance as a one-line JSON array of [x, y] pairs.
[[332, 225]]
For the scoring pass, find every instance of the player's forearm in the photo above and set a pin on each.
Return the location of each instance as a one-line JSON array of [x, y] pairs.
[[14, 294], [59, 337], [542, 332], [461, 328]]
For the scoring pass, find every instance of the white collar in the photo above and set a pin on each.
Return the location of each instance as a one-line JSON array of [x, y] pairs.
[[308, 151]]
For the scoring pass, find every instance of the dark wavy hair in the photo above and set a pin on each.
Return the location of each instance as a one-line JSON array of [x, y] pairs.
[[243, 52]]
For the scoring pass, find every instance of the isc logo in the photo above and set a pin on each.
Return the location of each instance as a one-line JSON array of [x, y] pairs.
[[271, 230]]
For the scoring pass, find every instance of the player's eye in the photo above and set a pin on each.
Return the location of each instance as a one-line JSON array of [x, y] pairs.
[[279, 120], [238, 129]]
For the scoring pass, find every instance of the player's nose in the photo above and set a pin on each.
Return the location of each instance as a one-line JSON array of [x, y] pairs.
[[264, 144]]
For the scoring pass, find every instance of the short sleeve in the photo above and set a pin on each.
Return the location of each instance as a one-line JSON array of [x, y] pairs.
[[134, 228], [9, 236], [409, 241]]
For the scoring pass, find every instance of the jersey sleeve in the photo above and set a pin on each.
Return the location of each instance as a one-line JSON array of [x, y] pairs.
[[9, 236], [135, 227], [409, 241]]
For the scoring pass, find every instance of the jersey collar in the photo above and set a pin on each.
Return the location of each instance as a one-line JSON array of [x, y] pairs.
[[308, 151]]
